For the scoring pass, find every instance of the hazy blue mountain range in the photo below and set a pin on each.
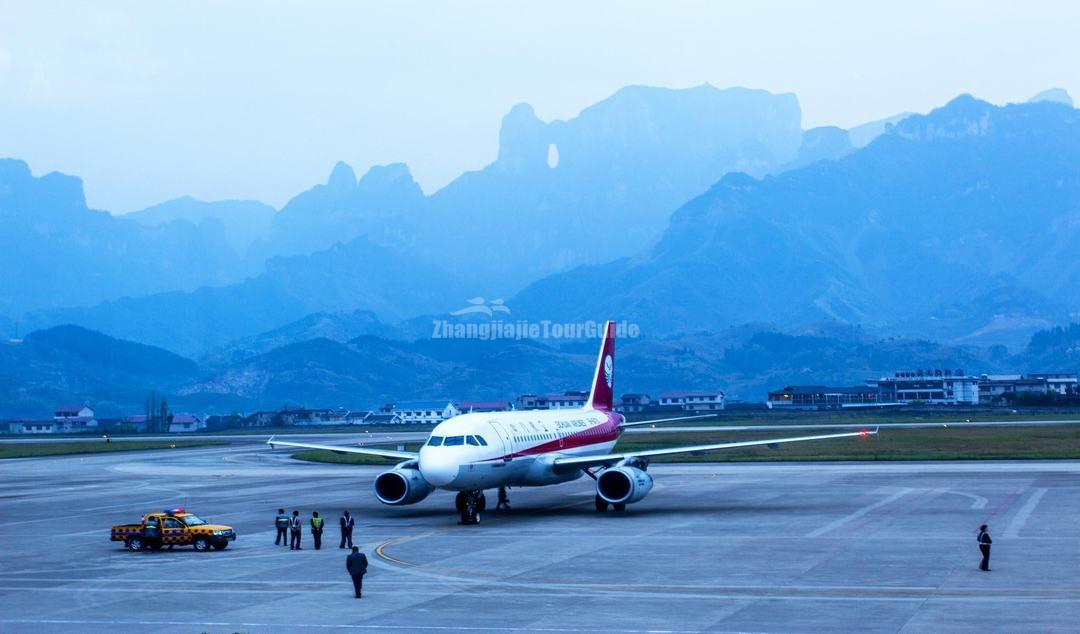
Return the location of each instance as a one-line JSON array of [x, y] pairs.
[[74, 365], [625, 162], [245, 222], [623, 165], [55, 252], [357, 275], [950, 225], [383, 205], [68, 365]]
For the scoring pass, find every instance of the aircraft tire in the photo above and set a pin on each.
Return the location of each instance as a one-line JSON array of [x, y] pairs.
[[601, 504]]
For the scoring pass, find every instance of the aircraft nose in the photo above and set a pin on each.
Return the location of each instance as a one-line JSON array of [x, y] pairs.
[[438, 468]]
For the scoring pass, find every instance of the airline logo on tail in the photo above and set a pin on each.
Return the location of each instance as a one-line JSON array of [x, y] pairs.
[[601, 396]]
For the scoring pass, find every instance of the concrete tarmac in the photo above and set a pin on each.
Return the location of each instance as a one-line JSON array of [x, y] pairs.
[[742, 547]]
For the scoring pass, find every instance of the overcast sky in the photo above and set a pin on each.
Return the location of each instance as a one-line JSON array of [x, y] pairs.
[[152, 100]]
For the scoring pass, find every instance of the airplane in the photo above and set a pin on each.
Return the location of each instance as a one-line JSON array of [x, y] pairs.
[[476, 451]]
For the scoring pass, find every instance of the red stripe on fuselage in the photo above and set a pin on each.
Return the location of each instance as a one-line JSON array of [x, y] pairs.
[[605, 432]]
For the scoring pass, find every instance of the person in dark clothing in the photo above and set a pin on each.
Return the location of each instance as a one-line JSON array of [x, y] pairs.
[[504, 500], [296, 528], [984, 547], [316, 529], [347, 523], [281, 523], [356, 564]]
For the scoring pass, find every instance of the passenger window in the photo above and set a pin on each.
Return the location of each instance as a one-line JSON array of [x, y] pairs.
[[452, 441], [435, 441], [472, 440], [172, 523]]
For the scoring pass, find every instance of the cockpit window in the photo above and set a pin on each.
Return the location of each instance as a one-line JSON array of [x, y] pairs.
[[482, 441], [472, 441], [434, 441], [454, 440]]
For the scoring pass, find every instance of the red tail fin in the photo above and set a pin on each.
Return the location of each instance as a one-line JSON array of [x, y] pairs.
[[602, 394]]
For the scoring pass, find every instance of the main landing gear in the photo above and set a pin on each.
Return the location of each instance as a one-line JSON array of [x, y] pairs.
[[470, 504]]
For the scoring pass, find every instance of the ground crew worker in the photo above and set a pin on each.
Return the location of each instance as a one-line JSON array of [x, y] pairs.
[[347, 523], [316, 529], [281, 522], [296, 528], [504, 500], [356, 564], [984, 547]]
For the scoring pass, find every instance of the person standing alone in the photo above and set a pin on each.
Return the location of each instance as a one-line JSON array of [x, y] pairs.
[[296, 528], [281, 523], [984, 547], [356, 564], [347, 523], [316, 529]]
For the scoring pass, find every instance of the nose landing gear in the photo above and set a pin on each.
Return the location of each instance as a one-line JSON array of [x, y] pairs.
[[470, 504]]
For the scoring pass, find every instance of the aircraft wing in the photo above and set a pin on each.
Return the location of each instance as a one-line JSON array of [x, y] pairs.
[[368, 451], [664, 420], [610, 459]]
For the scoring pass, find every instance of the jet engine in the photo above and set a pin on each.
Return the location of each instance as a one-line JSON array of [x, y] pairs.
[[623, 485], [401, 485]]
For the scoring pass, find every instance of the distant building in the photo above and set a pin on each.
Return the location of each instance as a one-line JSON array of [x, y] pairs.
[[567, 400], [1061, 383], [182, 423], [383, 418], [527, 401], [1000, 388], [66, 412], [423, 412], [633, 403], [302, 416], [73, 419], [934, 387], [694, 401], [36, 427], [929, 387], [812, 397], [483, 406]]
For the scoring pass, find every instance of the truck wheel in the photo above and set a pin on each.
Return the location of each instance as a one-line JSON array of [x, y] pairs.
[[601, 504], [135, 543], [201, 544], [221, 545]]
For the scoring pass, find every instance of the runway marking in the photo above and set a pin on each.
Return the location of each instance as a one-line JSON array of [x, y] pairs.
[[857, 514], [977, 501], [379, 552], [1022, 515]]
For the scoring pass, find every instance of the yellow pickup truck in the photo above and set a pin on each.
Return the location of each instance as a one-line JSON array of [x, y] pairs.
[[173, 527]]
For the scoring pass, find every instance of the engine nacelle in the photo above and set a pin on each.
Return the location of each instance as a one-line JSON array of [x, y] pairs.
[[623, 485], [400, 486]]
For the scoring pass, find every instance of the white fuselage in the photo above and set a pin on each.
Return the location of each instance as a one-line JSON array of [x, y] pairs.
[[485, 450]]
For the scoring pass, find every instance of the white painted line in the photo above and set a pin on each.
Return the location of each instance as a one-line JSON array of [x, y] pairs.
[[857, 514], [977, 501], [1022, 515]]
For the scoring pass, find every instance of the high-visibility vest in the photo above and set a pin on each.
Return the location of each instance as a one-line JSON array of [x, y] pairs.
[[282, 521], [316, 523]]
